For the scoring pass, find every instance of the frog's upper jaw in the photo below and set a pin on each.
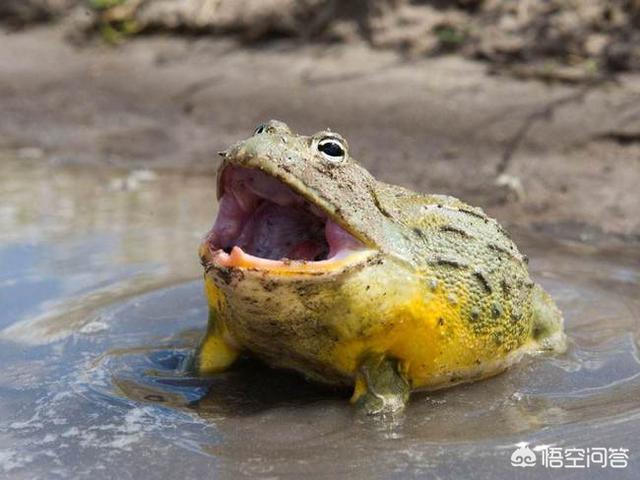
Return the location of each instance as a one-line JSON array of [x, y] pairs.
[[262, 224]]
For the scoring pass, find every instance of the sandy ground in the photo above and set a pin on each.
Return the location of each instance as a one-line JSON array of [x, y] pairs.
[[439, 125]]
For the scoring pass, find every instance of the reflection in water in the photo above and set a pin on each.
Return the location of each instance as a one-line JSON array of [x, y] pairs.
[[102, 306]]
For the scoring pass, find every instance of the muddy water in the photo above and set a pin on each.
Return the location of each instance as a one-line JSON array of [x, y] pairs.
[[101, 302]]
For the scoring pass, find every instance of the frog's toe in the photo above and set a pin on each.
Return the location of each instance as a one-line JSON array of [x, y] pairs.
[[214, 354], [372, 403], [380, 387]]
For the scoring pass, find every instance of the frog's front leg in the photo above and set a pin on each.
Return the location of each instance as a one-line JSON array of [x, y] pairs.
[[381, 386], [214, 354]]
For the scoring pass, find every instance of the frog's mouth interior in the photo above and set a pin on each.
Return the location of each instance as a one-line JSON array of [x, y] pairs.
[[263, 223]]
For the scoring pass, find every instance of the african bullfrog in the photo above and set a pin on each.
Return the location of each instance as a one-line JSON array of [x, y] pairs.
[[314, 265]]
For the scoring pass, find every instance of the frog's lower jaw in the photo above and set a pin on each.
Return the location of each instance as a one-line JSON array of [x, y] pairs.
[[239, 260]]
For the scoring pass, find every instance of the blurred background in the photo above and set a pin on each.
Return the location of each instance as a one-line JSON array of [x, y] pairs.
[[529, 108], [111, 114]]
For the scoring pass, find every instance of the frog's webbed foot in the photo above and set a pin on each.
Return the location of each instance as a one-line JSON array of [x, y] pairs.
[[380, 385], [214, 354]]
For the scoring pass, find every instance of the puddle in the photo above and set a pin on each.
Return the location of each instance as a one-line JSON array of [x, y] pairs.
[[102, 301]]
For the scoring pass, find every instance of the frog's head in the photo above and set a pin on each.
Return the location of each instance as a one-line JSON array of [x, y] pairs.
[[293, 205]]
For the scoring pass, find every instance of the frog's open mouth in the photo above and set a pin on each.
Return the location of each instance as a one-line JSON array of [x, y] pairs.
[[264, 224]]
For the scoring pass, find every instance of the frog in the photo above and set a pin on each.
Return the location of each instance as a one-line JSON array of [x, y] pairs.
[[315, 266]]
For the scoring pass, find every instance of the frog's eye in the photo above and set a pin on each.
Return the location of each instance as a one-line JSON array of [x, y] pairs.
[[260, 129], [332, 149]]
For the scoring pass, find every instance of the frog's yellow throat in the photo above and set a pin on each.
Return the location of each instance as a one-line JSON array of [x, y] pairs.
[[324, 325]]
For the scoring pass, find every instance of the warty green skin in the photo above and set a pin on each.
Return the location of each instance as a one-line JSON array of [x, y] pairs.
[[433, 240]]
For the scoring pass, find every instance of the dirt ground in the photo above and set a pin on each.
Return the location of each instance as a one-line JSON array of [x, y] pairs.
[[565, 40], [562, 158]]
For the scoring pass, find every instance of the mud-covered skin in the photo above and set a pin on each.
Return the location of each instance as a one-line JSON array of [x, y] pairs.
[[442, 294]]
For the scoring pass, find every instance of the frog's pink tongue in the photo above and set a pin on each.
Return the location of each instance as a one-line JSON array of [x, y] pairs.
[[273, 231], [266, 219]]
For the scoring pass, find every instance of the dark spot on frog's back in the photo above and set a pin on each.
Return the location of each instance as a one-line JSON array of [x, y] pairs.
[[505, 251], [477, 213], [376, 202], [474, 213], [503, 230], [455, 230], [448, 262], [419, 233], [497, 248], [483, 281]]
